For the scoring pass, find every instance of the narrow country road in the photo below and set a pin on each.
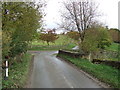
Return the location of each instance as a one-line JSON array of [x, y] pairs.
[[50, 72]]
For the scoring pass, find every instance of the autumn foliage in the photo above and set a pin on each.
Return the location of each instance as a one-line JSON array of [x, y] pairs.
[[115, 34], [49, 36], [74, 35]]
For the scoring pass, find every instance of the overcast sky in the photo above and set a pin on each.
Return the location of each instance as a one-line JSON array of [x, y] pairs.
[[109, 9]]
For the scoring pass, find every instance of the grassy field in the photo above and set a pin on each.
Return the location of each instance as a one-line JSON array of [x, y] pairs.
[[104, 73], [63, 42], [18, 73], [51, 47], [114, 47]]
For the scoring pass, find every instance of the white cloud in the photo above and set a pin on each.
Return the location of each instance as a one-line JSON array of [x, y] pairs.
[[110, 12], [109, 8]]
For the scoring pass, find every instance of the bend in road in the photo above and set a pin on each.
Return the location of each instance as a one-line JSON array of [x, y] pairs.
[[51, 72]]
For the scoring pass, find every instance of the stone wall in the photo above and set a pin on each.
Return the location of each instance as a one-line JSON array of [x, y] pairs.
[[115, 64], [106, 54], [70, 53]]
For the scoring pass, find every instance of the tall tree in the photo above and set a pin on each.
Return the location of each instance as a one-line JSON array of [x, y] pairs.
[[20, 20], [96, 39], [81, 13]]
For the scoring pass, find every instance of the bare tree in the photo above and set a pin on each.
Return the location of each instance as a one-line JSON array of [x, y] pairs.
[[66, 25], [80, 14]]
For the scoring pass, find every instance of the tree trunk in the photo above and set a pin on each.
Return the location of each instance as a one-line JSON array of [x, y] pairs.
[[89, 57], [48, 43]]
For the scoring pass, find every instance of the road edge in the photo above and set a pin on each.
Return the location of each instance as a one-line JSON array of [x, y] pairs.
[[100, 83], [28, 81]]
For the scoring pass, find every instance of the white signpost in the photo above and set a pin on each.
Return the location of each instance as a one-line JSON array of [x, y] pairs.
[[6, 70], [6, 73]]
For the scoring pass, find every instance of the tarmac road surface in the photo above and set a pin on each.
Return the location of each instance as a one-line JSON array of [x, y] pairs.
[[51, 72]]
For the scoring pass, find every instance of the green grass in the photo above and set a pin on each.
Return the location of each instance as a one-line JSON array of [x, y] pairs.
[[104, 73], [41, 48], [63, 42], [51, 47], [113, 47], [18, 73]]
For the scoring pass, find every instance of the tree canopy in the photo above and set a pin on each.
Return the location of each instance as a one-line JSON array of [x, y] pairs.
[[20, 21], [79, 14], [49, 36], [95, 39], [74, 35]]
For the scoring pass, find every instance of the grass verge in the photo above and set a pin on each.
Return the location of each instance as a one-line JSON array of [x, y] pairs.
[[102, 72], [18, 73]]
